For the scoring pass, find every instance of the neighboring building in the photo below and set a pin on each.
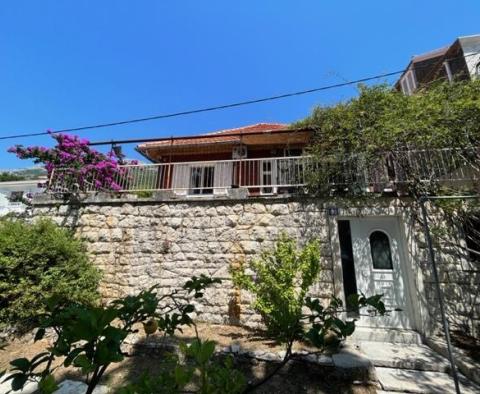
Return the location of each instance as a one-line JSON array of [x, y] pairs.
[[264, 158], [458, 61], [14, 195]]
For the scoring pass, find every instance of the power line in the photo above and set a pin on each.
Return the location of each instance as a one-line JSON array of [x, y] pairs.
[[219, 107], [207, 109]]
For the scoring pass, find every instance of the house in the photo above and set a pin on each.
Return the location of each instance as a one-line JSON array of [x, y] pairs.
[[460, 60], [217, 198], [261, 159]]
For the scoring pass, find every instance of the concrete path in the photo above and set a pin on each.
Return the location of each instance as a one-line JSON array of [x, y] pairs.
[[414, 381], [404, 356], [412, 368]]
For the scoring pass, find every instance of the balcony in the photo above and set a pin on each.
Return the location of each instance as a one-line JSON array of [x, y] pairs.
[[287, 175]]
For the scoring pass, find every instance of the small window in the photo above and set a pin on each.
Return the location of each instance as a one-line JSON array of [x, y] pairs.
[[380, 249], [201, 180]]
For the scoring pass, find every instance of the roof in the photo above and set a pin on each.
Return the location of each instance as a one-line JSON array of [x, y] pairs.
[[469, 39], [227, 136], [430, 54]]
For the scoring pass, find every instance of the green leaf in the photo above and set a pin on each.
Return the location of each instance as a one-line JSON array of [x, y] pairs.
[[107, 352], [71, 356], [48, 385], [115, 334], [349, 328], [206, 351], [84, 363], [182, 375]]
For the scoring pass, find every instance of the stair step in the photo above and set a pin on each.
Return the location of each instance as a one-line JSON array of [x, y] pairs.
[[403, 356], [424, 382], [386, 335]]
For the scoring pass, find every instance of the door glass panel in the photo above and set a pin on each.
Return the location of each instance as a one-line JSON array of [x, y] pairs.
[[201, 180], [380, 249], [267, 176]]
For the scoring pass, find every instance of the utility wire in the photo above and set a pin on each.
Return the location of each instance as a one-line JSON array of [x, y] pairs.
[[219, 107], [207, 109]]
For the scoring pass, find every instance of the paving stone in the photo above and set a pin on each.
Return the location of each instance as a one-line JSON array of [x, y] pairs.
[[412, 381], [5, 387], [76, 387], [464, 362], [391, 392], [404, 356], [386, 335], [350, 358]]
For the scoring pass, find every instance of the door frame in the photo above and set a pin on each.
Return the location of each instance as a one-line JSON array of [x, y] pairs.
[[415, 314]]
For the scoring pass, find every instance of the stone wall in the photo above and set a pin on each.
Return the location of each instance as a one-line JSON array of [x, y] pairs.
[[140, 244], [459, 275]]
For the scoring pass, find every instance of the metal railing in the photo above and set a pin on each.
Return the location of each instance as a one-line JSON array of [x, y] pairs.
[[284, 174]]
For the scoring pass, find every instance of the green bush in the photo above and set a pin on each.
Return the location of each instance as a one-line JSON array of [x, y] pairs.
[[282, 279], [38, 261], [90, 338]]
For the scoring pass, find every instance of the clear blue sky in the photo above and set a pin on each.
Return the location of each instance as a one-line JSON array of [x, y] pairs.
[[73, 63]]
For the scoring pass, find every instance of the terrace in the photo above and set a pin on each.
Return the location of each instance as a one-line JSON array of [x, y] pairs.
[[253, 177]]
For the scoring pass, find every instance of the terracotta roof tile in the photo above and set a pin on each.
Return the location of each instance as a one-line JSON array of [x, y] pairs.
[[221, 136]]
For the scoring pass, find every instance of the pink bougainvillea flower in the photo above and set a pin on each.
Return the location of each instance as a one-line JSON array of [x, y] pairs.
[[74, 160]]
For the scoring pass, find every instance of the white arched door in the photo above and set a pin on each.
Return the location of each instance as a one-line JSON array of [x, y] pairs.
[[380, 268]]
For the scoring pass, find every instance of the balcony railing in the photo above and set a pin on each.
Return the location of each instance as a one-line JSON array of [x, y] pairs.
[[286, 174]]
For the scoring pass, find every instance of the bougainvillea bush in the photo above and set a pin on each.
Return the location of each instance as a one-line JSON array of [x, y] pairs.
[[74, 164]]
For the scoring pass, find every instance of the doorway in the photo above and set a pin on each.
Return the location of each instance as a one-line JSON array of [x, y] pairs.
[[376, 262]]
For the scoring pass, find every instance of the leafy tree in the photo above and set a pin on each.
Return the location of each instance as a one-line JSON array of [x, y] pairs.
[[280, 283], [91, 337], [37, 261], [379, 118], [8, 176], [381, 122]]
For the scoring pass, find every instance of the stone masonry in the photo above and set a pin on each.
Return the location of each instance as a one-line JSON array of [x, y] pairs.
[[137, 245]]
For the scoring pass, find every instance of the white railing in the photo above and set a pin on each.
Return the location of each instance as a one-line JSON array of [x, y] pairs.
[[286, 174], [261, 176]]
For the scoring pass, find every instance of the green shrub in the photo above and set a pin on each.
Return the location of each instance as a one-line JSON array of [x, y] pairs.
[[90, 338], [282, 279], [38, 261], [280, 282]]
